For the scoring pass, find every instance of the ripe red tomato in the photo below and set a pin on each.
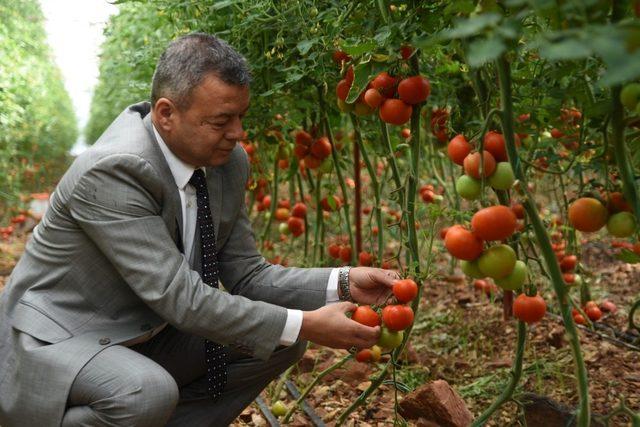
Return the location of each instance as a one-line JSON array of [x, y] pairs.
[[405, 133], [363, 355], [301, 151], [608, 307], [556, 133], [334, 250], [339, 56], [593, 313], [312, 162], [494, 143], [282, 214], [463, 244], [365, 258], [321, 148], [366, 315], [405, 290], [327, 207], [529, 309], [373, 98], [303, 138], [414, 90], [397, 317], [472, 164], [579, 319], [406, 51], [587, 214], [385, 84], [568, 263], [458, 149], [342, 89], [296, 225], [349, 75], [395, 112], [494, 223], [345, 253], [518, 209], [299, 210]]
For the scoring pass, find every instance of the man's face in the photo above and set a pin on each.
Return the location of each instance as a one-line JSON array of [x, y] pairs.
[[206, 132]]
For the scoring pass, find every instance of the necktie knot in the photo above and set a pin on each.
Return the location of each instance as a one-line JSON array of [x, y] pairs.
[[197, 179]]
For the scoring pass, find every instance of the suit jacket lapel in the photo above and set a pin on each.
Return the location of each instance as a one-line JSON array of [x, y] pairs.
[[172, 208]]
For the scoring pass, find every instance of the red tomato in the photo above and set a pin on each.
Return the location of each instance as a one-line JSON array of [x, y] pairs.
[[373, 98], [385, 84], [568, 263], [494, 143], [463, 244], [282, 214], [366, 316], [342, 89], [405, 133], [395, 112], [339, 56], [363, 355], [443, 232], [556, 133], [327, 207], [299, 210], [349, 75], [334, 250], [321, 148], [593, 313], [579, 319], [406, 51], [414, 90], [345, 253], [529, 309], [608, 307], [303, 138], [296, 225], [405, 290], [472, 164], [365, 258], [397, 317], [312, 162], [458, 149], [518, 209], [494, 223]]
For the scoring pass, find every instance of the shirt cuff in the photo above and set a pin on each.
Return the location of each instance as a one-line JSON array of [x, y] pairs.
[[291, 327], [332, 287]]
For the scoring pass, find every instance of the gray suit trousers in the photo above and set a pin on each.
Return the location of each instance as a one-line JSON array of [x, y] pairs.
[[163, 382]]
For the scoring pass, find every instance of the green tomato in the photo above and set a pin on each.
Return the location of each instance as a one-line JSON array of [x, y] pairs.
[[362, 109], [621, 224], [630, 95], [279, 409], [389, 339], [283, 228], [577, 280], [468, 188], [470, 268], [502, 178], [497, 261], [516, 279], [326, 166]]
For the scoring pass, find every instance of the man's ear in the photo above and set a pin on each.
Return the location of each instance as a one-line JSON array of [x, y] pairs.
[[164, 112]]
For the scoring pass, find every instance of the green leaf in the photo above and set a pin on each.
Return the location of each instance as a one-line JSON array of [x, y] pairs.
[[472, 26], [568, 49], [460, 6], [222, 4], [363, 73], [382, 35], [485, 50], [359, 49], [628, 256], [305, 45]]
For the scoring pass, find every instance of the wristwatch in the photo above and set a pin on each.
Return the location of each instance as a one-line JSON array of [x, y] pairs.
[[344, 294]]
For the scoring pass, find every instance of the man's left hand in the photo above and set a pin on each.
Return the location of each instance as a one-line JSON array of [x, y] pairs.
[[371, 285]]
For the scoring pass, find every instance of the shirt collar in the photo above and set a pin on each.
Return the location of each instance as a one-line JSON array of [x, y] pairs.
[[180, 170]]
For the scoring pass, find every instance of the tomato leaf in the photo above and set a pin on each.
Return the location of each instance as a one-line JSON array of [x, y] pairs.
[[305, 45], [472, 26], [359, 49], [485, 50], [628, 256]]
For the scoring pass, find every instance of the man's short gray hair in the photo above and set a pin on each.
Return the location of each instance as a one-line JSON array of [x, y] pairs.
[[187, 60]]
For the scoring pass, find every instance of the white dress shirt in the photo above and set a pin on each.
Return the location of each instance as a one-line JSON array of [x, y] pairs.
[[182, 172]]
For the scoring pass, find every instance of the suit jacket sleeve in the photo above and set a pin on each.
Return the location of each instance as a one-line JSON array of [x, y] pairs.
[[243, 271], [117, 203]]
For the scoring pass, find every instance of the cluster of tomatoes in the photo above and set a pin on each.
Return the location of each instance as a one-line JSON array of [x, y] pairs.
[[567, 261], [16, 221], [395, 319], [291, 220], [588, 214], [593, 311], [393, 96], [492, 163], [429, 194], [312, 152]]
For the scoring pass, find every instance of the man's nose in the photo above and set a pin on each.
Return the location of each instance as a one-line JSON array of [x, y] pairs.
[[236, 131]]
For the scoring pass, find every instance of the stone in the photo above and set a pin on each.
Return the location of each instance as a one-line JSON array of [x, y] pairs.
[[541, 411], [438, 403]]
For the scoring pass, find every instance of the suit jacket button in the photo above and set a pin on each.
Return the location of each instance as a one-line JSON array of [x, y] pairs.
[[145, 327], [104, 341]]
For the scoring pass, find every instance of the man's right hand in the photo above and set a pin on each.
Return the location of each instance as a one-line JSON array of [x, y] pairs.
[[329, 326]]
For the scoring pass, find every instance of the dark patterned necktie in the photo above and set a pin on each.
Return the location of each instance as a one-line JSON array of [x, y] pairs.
[[215, 354]]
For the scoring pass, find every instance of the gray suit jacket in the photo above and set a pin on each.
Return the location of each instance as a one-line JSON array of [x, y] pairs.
[[104, 266]]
